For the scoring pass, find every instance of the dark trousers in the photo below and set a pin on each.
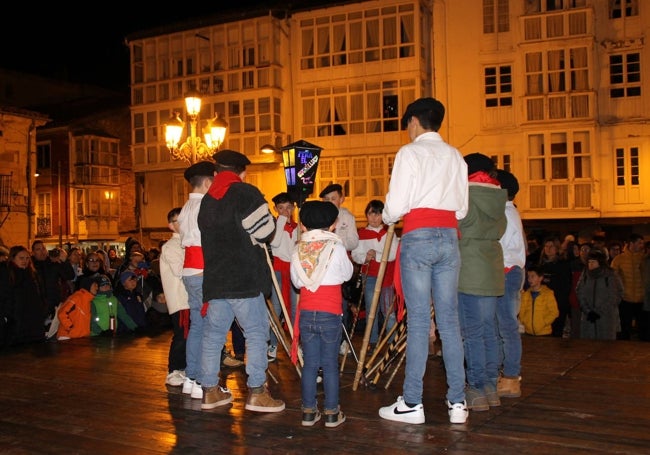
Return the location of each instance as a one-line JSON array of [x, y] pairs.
[[628, 312], [176, 360]]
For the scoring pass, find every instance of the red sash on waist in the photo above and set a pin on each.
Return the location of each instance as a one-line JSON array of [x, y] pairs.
[[284, 268], [416, 219], [193, 257], [326, 299]]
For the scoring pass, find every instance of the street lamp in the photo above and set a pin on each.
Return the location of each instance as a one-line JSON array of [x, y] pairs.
[[194, 148], [300, 162]]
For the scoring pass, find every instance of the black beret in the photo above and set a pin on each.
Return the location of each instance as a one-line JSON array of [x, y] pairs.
[[508, 182], [424, 105], [230, 158], [202, 168], [478, 162], [329, 188], [318, 214]]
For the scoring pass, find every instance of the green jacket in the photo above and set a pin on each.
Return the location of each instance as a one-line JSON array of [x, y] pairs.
[[103, 308], [482, 270]]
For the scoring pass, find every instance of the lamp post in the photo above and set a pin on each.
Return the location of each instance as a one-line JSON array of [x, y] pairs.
[[194, 148], [300, 162]]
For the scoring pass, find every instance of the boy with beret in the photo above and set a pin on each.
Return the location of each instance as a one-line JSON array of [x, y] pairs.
[[319, 266], [481, 280], [235, 224]]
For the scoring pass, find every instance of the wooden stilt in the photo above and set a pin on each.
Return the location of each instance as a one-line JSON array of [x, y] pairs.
[[355, 318], [370, 314], [402, 357]]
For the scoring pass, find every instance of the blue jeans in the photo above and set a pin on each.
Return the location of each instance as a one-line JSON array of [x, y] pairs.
[[508, 325], [383, 306], [430, 264], [276, 304], [253, 319], [194, 288], [320, 335], [478, 327]]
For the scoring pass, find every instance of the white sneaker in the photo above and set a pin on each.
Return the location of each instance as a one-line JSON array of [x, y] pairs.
[[272, 353], [187, 385], [175, 378], [197, 391], [344, 348], [399, 412], [457, 412]]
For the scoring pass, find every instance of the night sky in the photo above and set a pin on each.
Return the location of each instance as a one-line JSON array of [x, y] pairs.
[[85, 44]]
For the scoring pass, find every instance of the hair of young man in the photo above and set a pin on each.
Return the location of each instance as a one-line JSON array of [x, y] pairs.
[[173, 213], [197, 180], [374, 206]]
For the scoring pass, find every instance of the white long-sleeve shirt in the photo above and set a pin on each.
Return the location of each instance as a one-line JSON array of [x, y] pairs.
[[346, 229], [427, 173], [513, 241], [283, 243]]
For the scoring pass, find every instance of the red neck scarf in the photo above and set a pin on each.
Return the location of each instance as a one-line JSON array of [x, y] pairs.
[[370, 234], [483, 177], [221, 183], [290, 226]]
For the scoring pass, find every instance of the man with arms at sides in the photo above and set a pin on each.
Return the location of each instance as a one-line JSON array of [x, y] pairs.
[[429, 188]]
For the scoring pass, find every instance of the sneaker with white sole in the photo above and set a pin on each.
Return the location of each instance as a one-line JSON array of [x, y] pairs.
[[344, 348], [187, 385], [458, 412], [262, 401], [272, 353], [400, 412], [197, 391], [175, 378], [215, 396]]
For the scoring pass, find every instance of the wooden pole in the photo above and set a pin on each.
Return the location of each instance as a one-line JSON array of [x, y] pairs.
[[370, 315]]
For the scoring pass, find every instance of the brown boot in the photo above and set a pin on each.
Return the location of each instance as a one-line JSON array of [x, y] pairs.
[[262, 401], [509, 387]]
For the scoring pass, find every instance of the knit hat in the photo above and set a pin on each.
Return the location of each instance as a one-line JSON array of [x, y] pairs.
[[479, 162], [330, 188], [422, 106], [230, 158], [318, 214], [202, 168], [103, 280], [126, 275], [508, 182]]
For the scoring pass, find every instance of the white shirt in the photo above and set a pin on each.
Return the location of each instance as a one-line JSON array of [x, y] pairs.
[[283, 243], [427, 173], [346, 229], [513, 241]]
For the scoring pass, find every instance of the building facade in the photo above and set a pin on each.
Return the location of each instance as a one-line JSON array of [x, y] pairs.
[[17, 177], [553, 90]]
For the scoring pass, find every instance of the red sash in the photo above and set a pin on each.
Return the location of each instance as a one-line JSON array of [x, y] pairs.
[[416, 219], [284, 268], [193, 257], [326, 298]]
